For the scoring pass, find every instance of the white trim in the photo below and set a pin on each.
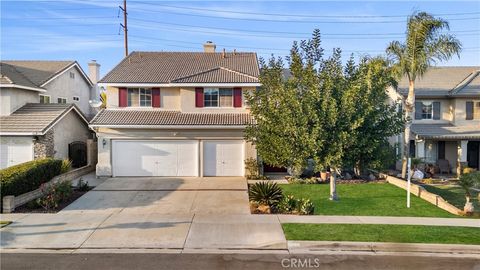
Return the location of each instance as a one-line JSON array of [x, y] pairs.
[[170, 126], [67, 68], [12, 85], [220, 85]]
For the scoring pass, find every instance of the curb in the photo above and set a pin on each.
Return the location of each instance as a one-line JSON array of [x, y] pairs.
[[296, 247]]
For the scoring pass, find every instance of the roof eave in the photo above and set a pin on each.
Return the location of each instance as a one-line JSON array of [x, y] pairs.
[[13, 85], [216, 84], [169, 126]]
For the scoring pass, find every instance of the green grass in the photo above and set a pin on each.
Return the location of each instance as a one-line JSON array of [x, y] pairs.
[[454, 195], [372, 199], [4, 223], [382, 233]]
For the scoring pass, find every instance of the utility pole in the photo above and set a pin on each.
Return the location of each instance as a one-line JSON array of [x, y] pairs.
[[124, 25]]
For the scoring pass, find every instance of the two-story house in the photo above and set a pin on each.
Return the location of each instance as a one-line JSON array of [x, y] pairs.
[[176, 114], [446, 125], [44, 110]]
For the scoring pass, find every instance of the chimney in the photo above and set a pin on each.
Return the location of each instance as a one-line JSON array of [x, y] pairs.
[[223, 53], [209, 47], [94, 71]]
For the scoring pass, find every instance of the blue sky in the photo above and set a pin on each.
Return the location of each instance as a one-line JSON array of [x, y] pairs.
[[83, 30]]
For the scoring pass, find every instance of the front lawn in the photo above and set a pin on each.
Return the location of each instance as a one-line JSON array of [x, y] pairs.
[[372, 199], [454, 195], [382, 233]]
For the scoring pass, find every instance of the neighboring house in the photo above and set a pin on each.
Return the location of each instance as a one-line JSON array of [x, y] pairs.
[[46, 82], [446, 125], [176, 114], [43, 130]]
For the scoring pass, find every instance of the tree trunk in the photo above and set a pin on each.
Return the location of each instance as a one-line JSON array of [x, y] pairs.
[[409, 115], [333, 184], [357, 169]]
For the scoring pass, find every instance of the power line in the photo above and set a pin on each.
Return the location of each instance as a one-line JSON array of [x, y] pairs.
[[239, 29], [291, 21], [303, 15]]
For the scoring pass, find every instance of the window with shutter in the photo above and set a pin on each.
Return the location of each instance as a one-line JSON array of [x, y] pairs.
[[436, 110], [418, 110], [469, 110]]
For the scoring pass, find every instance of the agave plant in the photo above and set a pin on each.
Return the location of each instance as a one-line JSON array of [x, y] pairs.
[[265, 193]]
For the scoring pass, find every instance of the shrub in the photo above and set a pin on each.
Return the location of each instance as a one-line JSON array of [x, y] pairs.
[[66, 165], [265, 193], [305, 207], [28, 176], [295, 180], [287, 205], [468, 181], [54, 194], [253, 168], [468, 170]]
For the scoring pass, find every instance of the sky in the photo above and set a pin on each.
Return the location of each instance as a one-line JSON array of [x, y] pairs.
[[83, 30]]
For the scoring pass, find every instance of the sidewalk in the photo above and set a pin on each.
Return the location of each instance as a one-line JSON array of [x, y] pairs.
[[462, 222]]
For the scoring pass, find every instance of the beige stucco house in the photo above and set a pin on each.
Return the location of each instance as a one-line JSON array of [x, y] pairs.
[[446, 125], [176, 114], [44, 110]]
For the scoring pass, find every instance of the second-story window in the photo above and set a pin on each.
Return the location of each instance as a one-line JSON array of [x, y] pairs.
[[61, 100], [472, 110], [72, 75], [427, 110], [214, 97], [44, 99], [476, 110], [139, 97]]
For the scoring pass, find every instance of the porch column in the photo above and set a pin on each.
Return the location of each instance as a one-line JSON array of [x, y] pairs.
[[420, 146], [461, 156], [104, 164]]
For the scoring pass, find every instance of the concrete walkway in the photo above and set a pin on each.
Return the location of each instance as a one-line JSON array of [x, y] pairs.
[[464, 222]]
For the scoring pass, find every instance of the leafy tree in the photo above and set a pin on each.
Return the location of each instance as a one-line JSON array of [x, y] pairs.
[[424, 46], [322, 111]]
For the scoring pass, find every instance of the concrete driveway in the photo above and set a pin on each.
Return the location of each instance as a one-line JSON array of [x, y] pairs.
[[166, 195], [168, 213]]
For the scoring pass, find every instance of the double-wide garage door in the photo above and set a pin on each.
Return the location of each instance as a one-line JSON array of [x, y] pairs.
[[177, 158]]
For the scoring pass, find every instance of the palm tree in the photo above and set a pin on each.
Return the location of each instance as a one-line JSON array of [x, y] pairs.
[[467, 182], [425, 45]]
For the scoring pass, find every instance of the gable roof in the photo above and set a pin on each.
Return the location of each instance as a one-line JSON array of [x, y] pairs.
[[40, 72], [35, 118], [155, 118], [180, 67], [11, 77], [469, 87], [438, 81]]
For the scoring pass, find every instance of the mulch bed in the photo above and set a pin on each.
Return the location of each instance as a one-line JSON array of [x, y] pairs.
[[27, 208]]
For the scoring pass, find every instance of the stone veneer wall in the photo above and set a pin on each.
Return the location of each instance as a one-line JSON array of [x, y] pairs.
[[44, 146]]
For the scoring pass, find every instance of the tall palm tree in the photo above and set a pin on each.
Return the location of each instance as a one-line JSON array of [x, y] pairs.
[[424, 46]]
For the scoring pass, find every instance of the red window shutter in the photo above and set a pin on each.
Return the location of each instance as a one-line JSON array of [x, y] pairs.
[[156, 97], [122, 97], [199, 97], [237, 97]]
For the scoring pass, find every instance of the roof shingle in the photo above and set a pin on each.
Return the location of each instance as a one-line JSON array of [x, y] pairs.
[[167, 67], [33, 118], [156, 117], [446, 131], [38, 72]]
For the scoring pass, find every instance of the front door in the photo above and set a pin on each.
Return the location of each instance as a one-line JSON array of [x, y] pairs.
[[473, 153]]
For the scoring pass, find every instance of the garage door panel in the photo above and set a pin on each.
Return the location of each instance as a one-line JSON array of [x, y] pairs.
[[155, 158], [15, 150], [223, 158]]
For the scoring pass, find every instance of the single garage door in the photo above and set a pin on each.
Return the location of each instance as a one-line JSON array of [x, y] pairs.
[[15, 150], [155, 158], [223, 158]]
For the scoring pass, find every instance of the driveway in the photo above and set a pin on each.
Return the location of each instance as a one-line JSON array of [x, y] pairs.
[[152, 212], [168, 196]]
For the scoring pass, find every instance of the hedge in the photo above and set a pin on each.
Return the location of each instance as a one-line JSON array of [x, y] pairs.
[[28, 176]]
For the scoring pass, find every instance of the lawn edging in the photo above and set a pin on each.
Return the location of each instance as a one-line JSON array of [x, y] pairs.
[[11, 202], [301, 247], [422, 193]]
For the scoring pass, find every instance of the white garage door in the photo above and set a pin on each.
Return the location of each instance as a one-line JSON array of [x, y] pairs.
[[15, 150], [223, 158], [155, 158]]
